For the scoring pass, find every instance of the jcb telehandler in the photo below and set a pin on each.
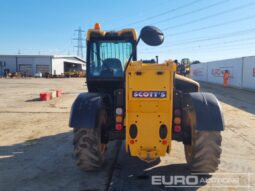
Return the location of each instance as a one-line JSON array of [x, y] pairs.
[[147, 105]]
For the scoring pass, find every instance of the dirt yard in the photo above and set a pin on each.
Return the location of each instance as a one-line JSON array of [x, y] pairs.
[[36, 143]]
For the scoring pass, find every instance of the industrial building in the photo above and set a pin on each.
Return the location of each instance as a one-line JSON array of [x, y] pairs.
[[29, 65]]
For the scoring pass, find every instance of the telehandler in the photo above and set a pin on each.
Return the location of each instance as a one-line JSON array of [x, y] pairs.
[[147, 105]]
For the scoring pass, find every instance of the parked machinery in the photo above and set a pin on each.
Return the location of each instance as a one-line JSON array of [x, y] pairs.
[[148, 105]]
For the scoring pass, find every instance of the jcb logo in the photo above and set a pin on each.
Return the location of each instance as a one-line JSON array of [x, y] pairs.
[[149, 94]]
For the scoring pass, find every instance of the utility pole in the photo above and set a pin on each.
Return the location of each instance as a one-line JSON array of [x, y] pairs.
[[80, 41]]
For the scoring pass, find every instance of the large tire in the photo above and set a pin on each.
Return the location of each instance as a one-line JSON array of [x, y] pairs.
[[88, 150], [203, 155]]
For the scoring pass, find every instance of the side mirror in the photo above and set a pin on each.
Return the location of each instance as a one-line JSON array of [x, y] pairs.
[[152, 36]]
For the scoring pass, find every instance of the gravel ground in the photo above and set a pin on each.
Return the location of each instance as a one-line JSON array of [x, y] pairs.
[[36, 143]]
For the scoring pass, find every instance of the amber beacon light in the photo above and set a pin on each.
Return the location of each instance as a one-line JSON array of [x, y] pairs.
[[97, 26]]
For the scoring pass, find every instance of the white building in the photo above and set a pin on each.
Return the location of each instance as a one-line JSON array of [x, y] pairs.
[[31, 64]]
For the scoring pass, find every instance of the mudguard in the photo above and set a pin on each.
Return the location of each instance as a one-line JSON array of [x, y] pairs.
[[85, 110], [204, 110]]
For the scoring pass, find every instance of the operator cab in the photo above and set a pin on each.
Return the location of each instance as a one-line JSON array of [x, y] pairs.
[[107, 55]]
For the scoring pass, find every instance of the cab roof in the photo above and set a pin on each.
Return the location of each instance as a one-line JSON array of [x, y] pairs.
[[98, 33]]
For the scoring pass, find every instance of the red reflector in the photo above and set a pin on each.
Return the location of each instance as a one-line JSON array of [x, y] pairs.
[[177, 112], [132, 141], [118, 127], [177, 128], [164, 142]]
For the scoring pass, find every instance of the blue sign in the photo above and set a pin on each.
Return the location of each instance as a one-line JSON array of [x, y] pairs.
[[149, 94]]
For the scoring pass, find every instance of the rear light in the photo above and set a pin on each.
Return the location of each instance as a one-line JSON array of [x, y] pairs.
[[177, 112], [119, 111], [177, 128], [177, 121], [118, 119], [118, 127], [132, 141]]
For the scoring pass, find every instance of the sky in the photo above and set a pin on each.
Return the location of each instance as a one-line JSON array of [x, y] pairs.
[[197, 29]]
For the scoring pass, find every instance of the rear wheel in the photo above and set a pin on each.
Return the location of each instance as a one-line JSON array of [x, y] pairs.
[[203, 122], [203, 155], [88, 150]]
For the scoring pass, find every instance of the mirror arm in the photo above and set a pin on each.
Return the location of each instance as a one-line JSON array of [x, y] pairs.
[[132, 54]]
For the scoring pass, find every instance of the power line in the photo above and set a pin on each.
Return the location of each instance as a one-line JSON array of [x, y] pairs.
[[163, 13], [191, 12], [210, 16], [213, 49], [220, 36], [80, 41], [251, 43], [225, 42], [213, 26], [152, 7], [218, 43]]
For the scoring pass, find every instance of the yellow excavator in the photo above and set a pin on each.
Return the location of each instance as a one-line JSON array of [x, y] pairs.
[[147, 105]]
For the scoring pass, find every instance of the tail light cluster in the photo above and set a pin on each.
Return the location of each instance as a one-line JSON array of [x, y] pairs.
[[177, 121], [119, 119]]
